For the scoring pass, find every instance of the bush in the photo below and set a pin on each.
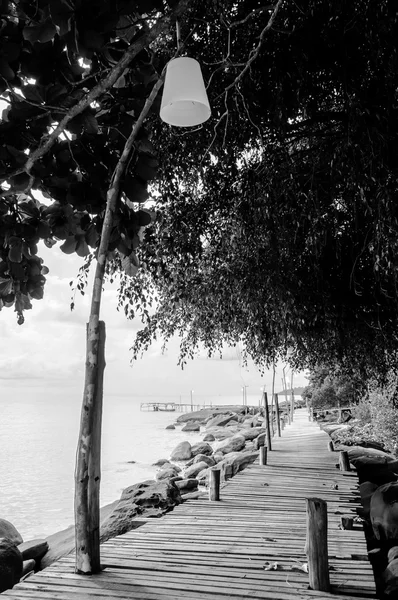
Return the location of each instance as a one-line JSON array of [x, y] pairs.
[[385, 416]]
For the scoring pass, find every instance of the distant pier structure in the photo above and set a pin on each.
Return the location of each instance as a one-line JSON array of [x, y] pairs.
[[170, 406]]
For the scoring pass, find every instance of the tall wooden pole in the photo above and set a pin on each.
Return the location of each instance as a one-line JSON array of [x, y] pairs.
[[267, 425], [317, 544], [278, 419], [292, 397]]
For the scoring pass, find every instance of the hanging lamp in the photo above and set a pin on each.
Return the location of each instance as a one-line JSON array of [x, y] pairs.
[[184, 100]]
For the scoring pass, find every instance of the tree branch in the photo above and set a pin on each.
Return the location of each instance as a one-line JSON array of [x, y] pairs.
[[254, 53]]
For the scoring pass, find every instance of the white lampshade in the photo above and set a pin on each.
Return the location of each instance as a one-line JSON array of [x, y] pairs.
[[184, 100]]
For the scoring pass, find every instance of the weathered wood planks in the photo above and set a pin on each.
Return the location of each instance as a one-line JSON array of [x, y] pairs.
[[250, 544]]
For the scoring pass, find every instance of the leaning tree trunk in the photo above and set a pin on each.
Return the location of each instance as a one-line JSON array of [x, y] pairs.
[[88, 467]]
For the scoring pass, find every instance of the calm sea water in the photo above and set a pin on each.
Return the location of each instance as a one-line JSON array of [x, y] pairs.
[[37, 455]]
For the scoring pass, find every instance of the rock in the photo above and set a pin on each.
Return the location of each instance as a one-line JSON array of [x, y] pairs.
[[250, 447], [201, 448], [167, 472], [209, 460], [233, 444], [28, 566], [9, 532], [182, 451], [221, 420], [161, 462], [170, 427], [366, 490], [390, 579], [373, 465], [261, 440], [218, 457], [331, 428], [194, 469], [192, 495], [10, 564], [252, 433], [35, 549], [209, 437], [187, 484], [203, 475], [191, 426], [235, 462], [384, 512], [205, 414], [392, 553], [148, 499], [222, 433]]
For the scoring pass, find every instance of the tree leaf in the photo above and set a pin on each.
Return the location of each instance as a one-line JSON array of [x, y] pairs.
[[42, 33]]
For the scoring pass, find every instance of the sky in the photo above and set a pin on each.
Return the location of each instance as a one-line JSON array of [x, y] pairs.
[[46, 354]]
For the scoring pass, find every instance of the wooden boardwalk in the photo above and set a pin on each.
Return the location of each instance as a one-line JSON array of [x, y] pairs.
[[248, 545]]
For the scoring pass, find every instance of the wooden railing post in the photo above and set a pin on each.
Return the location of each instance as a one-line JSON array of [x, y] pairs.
[[267, 424], [344, 461], [263, 455], [277, 415], [214, 485], [317, 544], [331, 446]]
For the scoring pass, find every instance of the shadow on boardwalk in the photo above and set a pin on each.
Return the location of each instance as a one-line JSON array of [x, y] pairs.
[[248, 545]]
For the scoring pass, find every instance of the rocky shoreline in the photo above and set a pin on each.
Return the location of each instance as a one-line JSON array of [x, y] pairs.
[[378, 487], [231, 440]]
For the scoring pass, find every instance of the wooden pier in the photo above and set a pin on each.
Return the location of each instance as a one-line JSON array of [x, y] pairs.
[[250, 544]]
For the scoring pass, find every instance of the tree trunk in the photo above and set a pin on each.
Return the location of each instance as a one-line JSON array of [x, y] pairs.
[[88, 460], [87, 476]]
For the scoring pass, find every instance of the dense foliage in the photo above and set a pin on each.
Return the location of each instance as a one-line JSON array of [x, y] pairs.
[[332, 390], [277, 220], [284, 233], [71, 104]]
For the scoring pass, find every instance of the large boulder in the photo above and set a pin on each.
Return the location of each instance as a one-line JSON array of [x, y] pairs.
[[170, 426], [10, 564], [390, 579], [9, 532], [252, 433], [366, 490], [201, 448], [148, 498], [34, 549], [209, 460], [222, 433], [221, 420], [191, 426], [260, 440], [167, 472], [28, 566], [233, 444], [235, 462], [373, 465], [183, 451], [209, 437], [194, 469], [161, 462], [187, 485], [384, 512]]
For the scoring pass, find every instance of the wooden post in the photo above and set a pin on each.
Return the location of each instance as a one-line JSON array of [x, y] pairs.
[[330, 446], [283, 424], [278, 418], [268, 430], [263, 455], [288, 415], [292, 396], [214, 485], [344, 461], [317, 544]]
